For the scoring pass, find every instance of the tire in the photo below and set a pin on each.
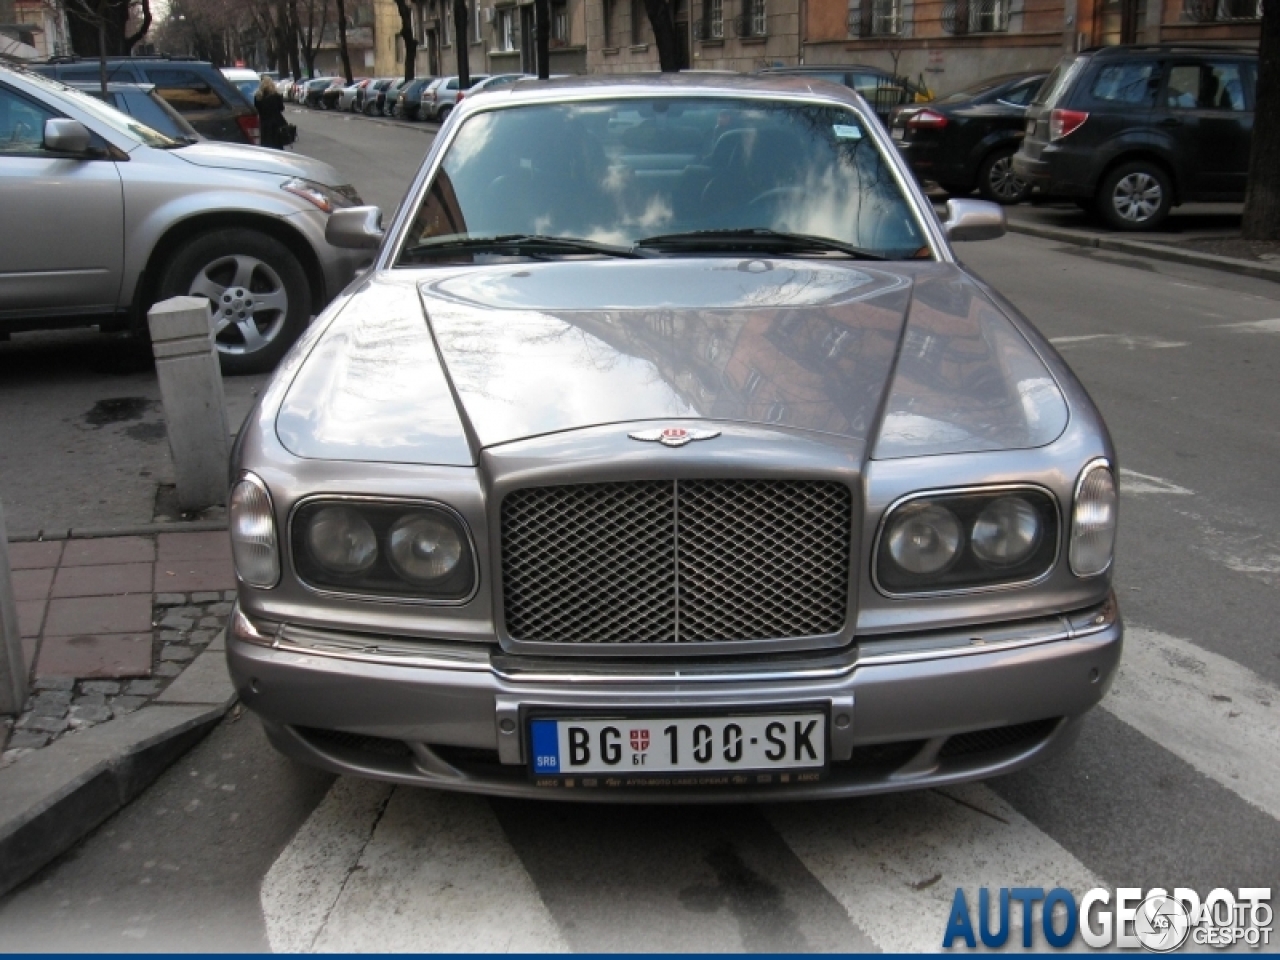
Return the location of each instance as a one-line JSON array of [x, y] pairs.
[[443, 113], [257, 288], [998, 183], [1135, 196]]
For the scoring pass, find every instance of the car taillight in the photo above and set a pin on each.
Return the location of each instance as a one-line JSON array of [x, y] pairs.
[[434, 96], [250, 128], [927, 120], [460, 96], [1063, 122]]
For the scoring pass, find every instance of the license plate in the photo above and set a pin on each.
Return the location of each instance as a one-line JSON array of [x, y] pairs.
[[709, 749], [898, 133]]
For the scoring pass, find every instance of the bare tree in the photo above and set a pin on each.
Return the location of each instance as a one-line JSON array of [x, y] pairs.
[[663, 20], [1262, 199], [342, 41], [460, 42], [406, 34], [311, 33]]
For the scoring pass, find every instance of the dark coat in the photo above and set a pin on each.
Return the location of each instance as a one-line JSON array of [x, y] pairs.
[[271, 119]]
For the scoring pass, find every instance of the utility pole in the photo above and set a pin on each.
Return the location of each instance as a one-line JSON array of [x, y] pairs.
[[13, 662]]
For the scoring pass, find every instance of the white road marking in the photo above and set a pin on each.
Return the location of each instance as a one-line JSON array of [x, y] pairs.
[[1132, 482], [1256, 326], [1120, 340], [1210, 711], [307, 878], [437, 875], [894, 863]]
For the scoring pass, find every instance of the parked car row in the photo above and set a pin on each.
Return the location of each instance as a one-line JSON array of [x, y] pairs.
[[1127, 132], [422, 98]]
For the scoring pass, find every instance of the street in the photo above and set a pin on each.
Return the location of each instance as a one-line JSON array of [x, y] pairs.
[[1175, 781]]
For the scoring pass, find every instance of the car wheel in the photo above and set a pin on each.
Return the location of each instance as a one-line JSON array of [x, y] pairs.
[[257, 289], [998, 183], [1135, 196], [443, 114]]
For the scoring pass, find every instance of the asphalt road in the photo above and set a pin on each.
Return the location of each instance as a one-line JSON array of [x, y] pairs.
[[1175, 781]]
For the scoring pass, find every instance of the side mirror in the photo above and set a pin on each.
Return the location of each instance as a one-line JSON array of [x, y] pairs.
[[973, 220], [66, 136], [356, 228]]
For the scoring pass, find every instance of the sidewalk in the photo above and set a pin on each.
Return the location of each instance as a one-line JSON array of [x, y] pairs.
[[1198, 234], [124, 641]]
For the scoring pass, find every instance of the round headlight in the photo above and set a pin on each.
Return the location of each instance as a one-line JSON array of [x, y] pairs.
[[425, 548], [924, 538], [1006, 532], [1093, 523], [341, 541]]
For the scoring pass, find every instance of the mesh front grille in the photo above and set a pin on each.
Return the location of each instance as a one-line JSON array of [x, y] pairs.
[[665, 561]]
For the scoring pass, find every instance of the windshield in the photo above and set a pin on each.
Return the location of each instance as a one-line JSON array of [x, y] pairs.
[[623, 171], [110, 116], [969, 93]]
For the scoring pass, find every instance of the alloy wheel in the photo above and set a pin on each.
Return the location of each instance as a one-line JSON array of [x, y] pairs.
[[1004, 183], [1137, 196], [249, 301]]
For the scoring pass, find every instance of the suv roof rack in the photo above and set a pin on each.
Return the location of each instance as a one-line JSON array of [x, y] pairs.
[[115, 59], [1167, 47]]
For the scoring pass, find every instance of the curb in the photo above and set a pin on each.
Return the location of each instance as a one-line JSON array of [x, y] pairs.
[[136, 530], [1154, 251], [422, 126], [51, 798]]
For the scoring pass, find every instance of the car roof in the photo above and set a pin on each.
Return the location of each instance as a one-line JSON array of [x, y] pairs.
[[666, 83]]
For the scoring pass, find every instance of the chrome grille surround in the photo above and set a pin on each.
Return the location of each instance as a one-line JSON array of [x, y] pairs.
[[676, 561]]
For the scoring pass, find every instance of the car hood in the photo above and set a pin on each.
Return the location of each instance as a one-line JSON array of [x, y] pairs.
[[232, 156], [433, 366]]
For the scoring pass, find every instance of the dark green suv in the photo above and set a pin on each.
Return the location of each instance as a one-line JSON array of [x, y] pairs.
[[1132, 131], [206, 99]]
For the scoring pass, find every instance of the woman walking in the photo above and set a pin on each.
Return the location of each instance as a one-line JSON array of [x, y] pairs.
[[270, 106]]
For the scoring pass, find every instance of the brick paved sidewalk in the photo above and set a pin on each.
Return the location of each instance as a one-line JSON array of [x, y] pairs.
[[108, 623]]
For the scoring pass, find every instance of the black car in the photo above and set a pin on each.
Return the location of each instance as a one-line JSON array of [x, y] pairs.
[[140, 101], [409, 98], [1132, 131], [968, 139], [206, 99], [880, 88]]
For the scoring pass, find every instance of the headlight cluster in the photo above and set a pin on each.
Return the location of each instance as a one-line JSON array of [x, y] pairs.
[[326, 199], [1093, 522], [959, 541], [253, 533], [383, 549]]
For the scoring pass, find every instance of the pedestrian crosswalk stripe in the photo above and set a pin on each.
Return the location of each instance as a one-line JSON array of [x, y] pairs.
[[1218, 716], [306, 880], [437, 874], [894, 862]]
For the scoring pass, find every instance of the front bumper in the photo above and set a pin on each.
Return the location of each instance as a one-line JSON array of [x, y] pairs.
[[905, 713]]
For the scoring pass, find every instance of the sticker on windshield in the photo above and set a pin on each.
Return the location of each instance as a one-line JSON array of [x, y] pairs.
[[846, 132]]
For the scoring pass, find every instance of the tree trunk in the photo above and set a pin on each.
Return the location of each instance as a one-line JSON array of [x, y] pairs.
[[342, 42], [542, 37], [131, 40], [460, 42], [410, 41], [291, 40], [663, 21], [1262, 199]]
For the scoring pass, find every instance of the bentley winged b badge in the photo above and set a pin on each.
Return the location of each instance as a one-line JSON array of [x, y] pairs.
[[674, 436]]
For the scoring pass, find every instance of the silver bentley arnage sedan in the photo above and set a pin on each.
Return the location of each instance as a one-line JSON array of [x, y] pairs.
[[667, 453]]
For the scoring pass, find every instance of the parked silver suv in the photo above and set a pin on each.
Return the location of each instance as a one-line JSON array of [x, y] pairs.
[[103, 216]]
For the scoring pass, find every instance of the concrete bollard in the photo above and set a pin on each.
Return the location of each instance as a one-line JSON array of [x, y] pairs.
[[13, 662], [195, 410]]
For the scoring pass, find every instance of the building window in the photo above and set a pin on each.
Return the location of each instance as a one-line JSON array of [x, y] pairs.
[[560, 23], [976, 16], [752, 22], [507, 29], [446, 21], [886, 18], [606, 21], [638, 18], [1221, 11], [713, 11]]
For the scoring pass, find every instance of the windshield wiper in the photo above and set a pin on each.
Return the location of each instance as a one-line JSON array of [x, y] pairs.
[[518, 244], [754, 238]]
